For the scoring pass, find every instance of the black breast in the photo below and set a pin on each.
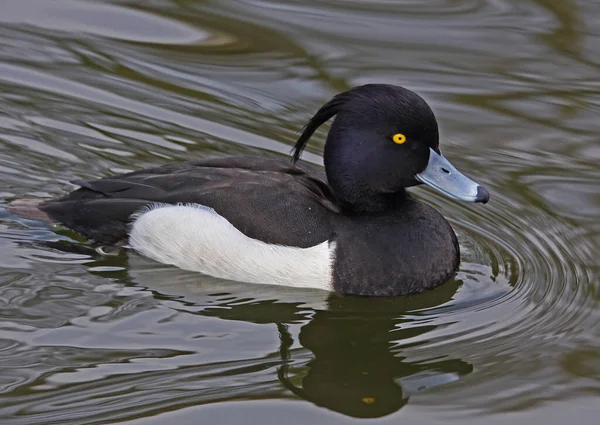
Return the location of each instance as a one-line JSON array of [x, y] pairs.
[[407, 250]]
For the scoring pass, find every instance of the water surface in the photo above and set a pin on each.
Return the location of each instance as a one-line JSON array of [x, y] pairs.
[[93, 88]]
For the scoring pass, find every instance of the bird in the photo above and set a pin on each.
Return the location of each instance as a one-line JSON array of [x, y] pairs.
[[350, 227]]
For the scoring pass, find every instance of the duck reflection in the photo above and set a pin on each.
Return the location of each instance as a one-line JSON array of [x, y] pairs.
[[354, 368]]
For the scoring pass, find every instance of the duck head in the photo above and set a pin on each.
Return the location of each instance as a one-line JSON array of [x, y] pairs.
[[383, 139]]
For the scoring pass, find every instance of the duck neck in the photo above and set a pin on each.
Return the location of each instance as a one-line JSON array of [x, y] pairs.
[[355, 196], [374, 203]]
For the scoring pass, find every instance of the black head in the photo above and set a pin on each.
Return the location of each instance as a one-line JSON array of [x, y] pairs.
[[379, 141]]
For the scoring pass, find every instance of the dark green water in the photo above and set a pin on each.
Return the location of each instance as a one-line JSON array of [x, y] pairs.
[[92, 88]]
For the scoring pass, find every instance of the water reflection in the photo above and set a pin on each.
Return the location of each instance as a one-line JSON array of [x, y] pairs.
[[354, 368]]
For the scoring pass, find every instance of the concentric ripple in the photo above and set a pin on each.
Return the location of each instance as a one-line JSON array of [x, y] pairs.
[[544, 276]]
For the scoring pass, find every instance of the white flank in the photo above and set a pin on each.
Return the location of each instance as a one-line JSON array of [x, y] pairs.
[[194, 237]]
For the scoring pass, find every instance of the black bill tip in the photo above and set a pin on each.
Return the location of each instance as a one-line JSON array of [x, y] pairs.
[[482, 195]]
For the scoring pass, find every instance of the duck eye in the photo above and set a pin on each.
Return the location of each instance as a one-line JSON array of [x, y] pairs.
[[399, 138]]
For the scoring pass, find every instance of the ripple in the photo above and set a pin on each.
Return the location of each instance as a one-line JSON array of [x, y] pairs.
[[105, 20], [540, 266]]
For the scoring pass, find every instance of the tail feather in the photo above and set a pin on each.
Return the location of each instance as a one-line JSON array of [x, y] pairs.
[[29, 209]]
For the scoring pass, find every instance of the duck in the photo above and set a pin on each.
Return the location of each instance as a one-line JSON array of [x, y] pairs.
[[350, 227]]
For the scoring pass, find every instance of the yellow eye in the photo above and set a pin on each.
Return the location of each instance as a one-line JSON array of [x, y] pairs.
[[399, 138]]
